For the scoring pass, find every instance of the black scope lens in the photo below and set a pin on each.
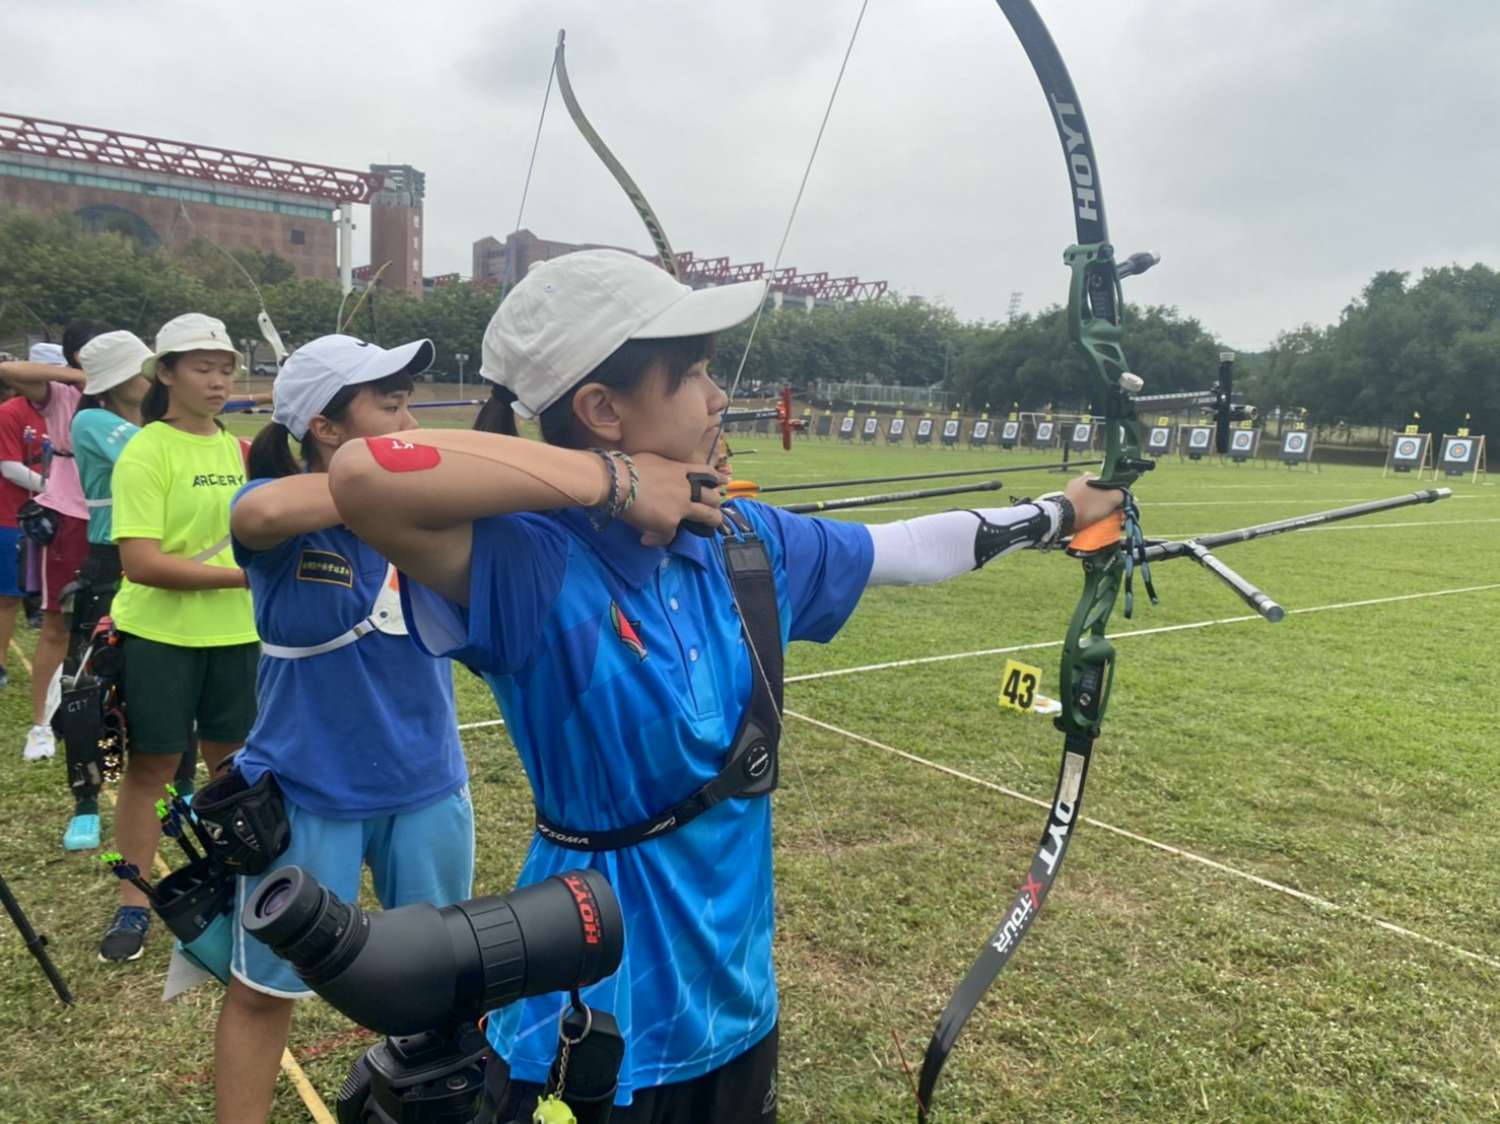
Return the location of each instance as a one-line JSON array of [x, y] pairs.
[[416, 968], [305, 923]]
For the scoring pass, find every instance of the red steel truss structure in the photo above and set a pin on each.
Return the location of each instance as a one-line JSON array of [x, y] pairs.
[[35, 136], [819, 286]]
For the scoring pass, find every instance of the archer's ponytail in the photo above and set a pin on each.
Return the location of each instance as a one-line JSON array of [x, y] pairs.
[[154, 405], [271, 454], [496, 415]]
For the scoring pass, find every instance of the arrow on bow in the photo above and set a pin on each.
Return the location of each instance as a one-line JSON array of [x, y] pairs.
[[750, 488]]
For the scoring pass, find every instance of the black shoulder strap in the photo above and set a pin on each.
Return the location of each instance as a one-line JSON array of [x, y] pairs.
[[752, 767]]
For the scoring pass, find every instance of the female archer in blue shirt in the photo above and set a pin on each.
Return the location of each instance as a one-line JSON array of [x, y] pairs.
[[355, 724], [638, 665]]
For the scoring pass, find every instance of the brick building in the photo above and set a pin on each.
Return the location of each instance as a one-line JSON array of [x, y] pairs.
[[166, 193]]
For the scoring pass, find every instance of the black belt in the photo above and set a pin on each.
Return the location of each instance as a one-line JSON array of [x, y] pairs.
[[752, 767]]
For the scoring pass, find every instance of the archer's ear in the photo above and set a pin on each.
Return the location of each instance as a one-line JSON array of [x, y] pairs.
[[327, 435], [594, 410]]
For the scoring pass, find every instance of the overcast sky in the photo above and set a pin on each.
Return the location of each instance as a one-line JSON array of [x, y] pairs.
[[1276, 153]]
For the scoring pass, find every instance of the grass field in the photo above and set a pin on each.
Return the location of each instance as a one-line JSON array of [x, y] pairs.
[[1338, 963]]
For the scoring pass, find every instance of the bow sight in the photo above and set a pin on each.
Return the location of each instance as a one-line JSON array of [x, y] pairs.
[[1217, 400]]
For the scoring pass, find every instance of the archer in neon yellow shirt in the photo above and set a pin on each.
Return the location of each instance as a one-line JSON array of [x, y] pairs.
[[175, 487]]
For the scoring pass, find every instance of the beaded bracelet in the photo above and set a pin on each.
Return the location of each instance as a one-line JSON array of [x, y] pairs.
[[601, 513], [635, 480]]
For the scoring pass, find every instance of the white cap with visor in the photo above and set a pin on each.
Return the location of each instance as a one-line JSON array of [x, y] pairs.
[[568, 315], [319, 369]]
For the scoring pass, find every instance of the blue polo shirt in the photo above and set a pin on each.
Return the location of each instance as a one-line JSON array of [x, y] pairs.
[[622, 674], [363, 731]]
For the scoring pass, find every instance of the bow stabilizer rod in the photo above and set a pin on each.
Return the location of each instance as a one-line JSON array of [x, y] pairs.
[[1200, 549]]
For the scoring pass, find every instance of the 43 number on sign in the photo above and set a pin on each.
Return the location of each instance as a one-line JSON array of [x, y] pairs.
[[1018, 686]]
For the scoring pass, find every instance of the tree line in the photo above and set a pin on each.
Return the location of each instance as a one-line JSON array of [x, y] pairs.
[[1429, 345]]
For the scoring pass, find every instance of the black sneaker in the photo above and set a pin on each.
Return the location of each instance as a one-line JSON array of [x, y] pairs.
[[127, 934]]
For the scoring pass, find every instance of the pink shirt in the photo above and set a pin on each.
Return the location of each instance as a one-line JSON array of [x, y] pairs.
[[64, 491]]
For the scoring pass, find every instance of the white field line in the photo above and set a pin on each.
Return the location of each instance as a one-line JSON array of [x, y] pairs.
[[1166, 848], [888, 665], [481, 725]]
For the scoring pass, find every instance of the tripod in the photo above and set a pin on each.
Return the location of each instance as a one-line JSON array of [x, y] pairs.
[[35, 943], [435, 1077]]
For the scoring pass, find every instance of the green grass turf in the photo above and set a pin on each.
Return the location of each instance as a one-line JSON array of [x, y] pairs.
[[1346, 753]]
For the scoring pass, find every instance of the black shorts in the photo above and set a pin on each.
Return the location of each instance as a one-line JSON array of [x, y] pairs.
[[742, 1091], [169, 689]]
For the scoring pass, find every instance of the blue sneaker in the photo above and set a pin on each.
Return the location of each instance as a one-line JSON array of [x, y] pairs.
[[82, 833], [126, 936], [4, 677]]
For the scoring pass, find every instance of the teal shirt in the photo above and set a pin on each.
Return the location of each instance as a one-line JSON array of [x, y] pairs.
[[99, 436]]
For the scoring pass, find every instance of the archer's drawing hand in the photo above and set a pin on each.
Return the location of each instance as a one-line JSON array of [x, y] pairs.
[[664, 499]]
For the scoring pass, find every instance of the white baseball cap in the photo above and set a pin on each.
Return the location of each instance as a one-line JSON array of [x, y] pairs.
[[568, 315], [111, 359], [319, 369], [192, 331], [50, 353]]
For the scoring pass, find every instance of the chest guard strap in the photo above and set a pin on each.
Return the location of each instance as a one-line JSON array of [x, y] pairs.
[[752, 766], [385, 616]]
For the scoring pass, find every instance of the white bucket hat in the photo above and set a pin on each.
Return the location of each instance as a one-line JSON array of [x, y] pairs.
[[50, 353], [111, 359], [319, 369], [192, 331], [568, 315]]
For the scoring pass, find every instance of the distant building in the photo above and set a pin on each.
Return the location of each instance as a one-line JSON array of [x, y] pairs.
[[505, 263], [165, 193], [396, 226]]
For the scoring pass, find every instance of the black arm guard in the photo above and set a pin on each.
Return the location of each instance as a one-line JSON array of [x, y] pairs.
[[992, 540]]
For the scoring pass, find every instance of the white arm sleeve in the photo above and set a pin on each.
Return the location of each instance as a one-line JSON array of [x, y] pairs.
[[934, 548], [18, 473]]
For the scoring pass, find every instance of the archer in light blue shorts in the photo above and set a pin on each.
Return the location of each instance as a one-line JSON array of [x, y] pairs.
[[355, 723], [421, 856]]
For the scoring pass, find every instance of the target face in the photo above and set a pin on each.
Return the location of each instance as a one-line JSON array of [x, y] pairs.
[[1160, 435], [846, 426], [898, 427], [1457, 451], [1242, 440], [1295, 442], [1407, 448], [1081, 433], [981, 430], [1044, 431], [1010, 430], [1198, 439], [924, 427], [950, 428], [871, 424]]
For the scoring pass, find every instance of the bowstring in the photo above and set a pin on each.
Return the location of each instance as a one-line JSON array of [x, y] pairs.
[[536, 143], [819, 831], [797, 202]]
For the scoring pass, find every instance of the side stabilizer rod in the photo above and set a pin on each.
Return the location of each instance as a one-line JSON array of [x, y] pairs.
[[1200, 548]]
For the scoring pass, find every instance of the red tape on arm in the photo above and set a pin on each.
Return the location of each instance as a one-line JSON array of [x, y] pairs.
[[396, 455]]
